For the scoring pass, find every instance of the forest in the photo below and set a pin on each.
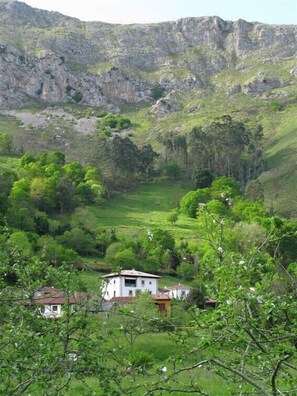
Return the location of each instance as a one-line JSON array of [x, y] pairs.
[[240, 254]]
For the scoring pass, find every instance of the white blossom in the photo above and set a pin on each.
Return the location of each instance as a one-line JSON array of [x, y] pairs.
[[150, 234]]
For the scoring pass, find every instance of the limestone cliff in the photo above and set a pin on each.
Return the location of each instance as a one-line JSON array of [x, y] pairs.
[[50, 57]]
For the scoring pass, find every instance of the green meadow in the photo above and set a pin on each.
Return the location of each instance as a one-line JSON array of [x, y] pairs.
[[145, 207], [280, 179], [132, 213], [160, 348]]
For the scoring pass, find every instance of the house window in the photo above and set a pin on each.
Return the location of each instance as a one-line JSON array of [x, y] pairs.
[[130, 293], [114, 293], [114, 282], [129, 282], [183, 293], [142, 283], [150, 282], [55, 308]]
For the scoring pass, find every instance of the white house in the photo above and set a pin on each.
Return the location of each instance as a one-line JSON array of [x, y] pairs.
[[52, 303], [177, 291], [128, 283], [51, 307]]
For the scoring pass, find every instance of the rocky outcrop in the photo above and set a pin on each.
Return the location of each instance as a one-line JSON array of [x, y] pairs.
[[54, 58], [165, 106], [49, 79], [262, 83], [294, 71]]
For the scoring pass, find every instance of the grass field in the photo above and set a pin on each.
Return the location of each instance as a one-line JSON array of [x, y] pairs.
[[133, 213], [146, 207], [280, 180], [160, 346]]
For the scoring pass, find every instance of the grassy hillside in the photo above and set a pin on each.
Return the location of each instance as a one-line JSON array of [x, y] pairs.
[[160, 347], [146, 207], [71, 129], [280, 180], [279, 125], [133, 213]]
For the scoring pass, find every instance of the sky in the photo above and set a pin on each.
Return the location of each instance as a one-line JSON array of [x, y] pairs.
[[148, 11]]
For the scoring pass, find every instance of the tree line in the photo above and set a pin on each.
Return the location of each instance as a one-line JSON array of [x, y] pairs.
[[224, 147]]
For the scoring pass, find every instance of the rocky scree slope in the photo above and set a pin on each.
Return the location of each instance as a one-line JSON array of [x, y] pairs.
[[49, 57]]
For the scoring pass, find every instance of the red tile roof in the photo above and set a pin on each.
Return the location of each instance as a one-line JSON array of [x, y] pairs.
[[52, 296], [160, 297], [57, 300], [122, 300], [128, 299], [48, 290], [178, 287]]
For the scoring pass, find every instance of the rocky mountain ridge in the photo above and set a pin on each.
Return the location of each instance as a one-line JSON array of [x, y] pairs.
[[48, 57]]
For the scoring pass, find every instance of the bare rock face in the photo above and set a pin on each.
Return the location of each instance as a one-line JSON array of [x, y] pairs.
[[235, 89], [262, 83], [53, 58], [165, 106], [294, 71], [115, 85]]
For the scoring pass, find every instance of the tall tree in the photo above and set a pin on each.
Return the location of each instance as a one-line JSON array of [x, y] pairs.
[[175, 149], [65, 194]]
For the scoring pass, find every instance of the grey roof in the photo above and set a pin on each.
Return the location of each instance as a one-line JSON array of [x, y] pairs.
[[132, 272]]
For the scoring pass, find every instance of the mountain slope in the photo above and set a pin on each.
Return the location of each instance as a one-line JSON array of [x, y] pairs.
[[168, 76], [52, 57]]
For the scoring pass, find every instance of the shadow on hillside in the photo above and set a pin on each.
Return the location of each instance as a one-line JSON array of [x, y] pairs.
[[147, 206], [282, 158], [128, 215]]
